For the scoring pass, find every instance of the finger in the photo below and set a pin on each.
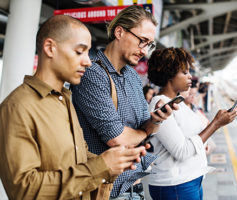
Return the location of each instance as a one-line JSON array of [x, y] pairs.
[[131, 167], [232, 118], [132, 158], [147, 146], [159, 103], [138, 160], [169, 110], [156, 117], [234, 113], [128, 166], [175, 106], [143, 153], [133, 151], [130, 146], [161, 115]]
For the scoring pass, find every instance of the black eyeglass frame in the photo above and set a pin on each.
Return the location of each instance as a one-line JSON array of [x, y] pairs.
[[142, 43]]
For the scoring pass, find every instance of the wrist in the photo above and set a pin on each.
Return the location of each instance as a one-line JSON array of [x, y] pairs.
[[155, 122], [215, 124]]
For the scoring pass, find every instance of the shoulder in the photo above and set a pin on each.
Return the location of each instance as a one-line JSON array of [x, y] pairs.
[[133, 76], [132, 72], [19, 98], [94, 71], [155, 99]]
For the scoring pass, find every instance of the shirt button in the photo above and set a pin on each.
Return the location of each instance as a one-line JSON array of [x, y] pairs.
[[76, 147], [80, 193], [60, 98], [103, 180]]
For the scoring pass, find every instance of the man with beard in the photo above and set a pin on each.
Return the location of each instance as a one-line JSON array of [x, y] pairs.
[[123, 120]]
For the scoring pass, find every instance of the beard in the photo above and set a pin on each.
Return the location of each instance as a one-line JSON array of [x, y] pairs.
[[130, 62]]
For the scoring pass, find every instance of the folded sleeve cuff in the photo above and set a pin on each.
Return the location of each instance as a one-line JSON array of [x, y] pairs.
[[198, 144]]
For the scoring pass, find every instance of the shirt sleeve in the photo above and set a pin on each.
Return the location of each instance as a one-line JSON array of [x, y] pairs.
[[173, 139], [146, 113], [21, 169], [92, 97]]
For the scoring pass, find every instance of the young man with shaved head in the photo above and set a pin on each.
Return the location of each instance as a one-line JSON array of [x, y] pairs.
[[42, 149]]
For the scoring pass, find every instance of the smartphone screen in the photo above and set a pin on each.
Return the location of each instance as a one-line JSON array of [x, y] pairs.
[[233, 107], [177, 100]]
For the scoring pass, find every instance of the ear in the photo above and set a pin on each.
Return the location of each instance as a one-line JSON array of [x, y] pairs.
[[118, 32], [49, 47]]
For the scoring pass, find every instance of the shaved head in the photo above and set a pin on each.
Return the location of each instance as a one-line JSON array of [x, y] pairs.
[[57, 28]]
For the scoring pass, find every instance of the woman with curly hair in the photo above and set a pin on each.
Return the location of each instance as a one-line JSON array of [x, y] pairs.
[[179, 144]]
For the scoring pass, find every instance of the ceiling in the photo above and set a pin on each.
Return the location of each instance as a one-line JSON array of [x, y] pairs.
[[209, 26]]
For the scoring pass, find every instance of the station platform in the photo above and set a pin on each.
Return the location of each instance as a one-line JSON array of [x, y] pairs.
[[222, 183]]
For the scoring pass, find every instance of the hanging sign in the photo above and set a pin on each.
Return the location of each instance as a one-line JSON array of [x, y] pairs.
[[96, 14]]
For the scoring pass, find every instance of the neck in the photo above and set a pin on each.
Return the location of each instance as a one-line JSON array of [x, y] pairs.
[[47, 76], [114, 56], [168, 91]]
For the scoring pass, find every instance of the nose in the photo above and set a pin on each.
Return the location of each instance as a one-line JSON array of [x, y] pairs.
[[144, 50], [87, 61], [189, 75]]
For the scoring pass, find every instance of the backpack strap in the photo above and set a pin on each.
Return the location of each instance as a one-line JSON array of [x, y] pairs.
[[113, 92]]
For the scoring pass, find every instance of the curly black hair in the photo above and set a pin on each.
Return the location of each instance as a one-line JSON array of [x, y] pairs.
[[145, 89], [164, 64]]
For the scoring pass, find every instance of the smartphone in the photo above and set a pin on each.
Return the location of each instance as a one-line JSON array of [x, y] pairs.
[[177, 100], [146, 140], [233, 107]]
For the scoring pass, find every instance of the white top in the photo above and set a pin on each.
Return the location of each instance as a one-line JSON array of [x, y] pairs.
[[180, 150]]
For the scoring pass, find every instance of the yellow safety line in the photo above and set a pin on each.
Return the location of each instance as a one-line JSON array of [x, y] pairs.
[[231, 151]]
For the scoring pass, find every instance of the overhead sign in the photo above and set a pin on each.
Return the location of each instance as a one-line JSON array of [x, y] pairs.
[[96, 14]]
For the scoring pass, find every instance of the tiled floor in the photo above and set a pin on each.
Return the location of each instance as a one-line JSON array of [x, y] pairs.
[[221, 184]]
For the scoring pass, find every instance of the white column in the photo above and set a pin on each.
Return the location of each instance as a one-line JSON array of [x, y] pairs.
[[19, 45]]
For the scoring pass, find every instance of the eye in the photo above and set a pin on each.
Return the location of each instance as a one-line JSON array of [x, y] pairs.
[[78, 52], [143, 41], [185, 72]]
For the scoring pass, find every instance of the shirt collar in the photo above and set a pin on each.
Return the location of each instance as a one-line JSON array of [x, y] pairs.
[[43, 88]]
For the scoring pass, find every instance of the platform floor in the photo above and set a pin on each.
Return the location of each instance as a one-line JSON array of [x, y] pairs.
[[222, 184]]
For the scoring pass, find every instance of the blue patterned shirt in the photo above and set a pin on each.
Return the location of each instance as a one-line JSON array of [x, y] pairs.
[[99, 118]]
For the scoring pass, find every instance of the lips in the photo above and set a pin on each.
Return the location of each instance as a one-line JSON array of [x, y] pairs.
[[81, 73], [138, 56]]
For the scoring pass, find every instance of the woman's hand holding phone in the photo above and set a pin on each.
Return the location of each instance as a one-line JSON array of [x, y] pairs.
[[233, 107], [163, 111], [224, 117], [158, 116]]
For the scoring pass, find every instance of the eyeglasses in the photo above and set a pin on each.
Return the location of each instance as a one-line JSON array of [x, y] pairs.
[[143, 43]]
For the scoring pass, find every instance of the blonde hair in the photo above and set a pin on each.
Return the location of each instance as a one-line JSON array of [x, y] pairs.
[[128, 18]]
